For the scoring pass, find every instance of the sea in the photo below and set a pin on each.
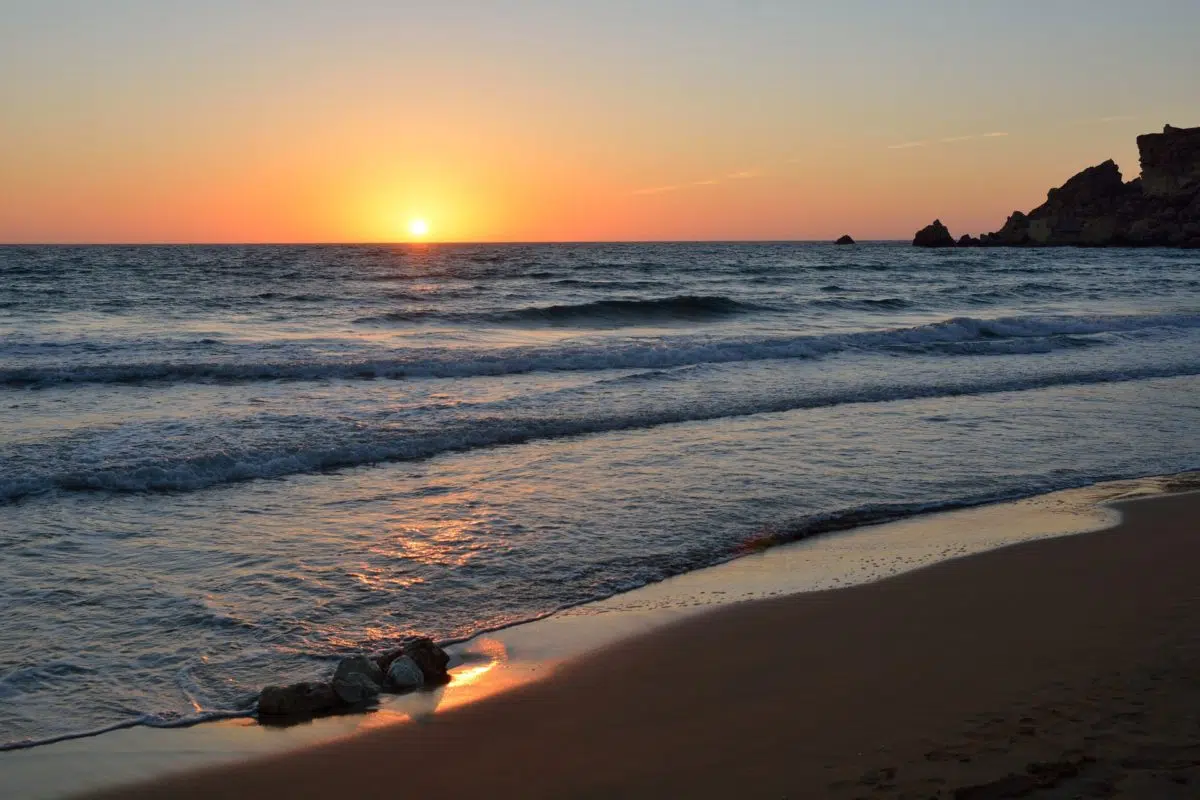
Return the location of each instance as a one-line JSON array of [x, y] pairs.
[[224, 466]]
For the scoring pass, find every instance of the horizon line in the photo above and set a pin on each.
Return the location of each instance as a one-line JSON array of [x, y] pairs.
[[315, 243]]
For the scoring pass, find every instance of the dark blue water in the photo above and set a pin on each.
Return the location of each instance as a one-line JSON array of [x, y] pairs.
[[222, 466]]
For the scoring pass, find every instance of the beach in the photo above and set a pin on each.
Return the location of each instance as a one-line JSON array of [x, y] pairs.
[[1064, 664], [496, 399]]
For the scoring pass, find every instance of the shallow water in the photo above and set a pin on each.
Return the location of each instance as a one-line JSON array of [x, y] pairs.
[[221, 467]]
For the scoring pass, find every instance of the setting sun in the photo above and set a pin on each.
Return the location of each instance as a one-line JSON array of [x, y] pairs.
[[418, 228]]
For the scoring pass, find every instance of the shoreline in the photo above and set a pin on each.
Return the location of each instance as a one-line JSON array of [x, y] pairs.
[[498, 661], [1062, 663]]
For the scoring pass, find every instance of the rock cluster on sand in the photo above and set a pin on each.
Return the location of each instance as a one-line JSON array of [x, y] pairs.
[[845, 240], [357, 681], [933, 235], [1097, 208]]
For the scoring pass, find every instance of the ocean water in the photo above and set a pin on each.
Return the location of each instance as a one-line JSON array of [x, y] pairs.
[[221, 467]]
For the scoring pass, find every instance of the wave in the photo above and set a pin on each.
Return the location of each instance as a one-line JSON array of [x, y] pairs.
[[865, 304], [606, 313], [957, 336], [191, 474], [611, 284]]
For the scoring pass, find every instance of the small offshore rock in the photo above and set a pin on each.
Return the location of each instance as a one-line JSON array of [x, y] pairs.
[[845, 240], [358, 680], [933, 235], [404, 674], [297, 700], [432, 660], [967, 240]]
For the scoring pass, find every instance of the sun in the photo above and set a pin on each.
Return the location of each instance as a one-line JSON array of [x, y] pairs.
[[418, 228]]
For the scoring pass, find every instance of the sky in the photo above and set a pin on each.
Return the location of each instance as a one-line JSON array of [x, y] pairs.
[[300, 121]]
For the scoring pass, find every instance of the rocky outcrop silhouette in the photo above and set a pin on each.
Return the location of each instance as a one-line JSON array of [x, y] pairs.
[[1095, 207], [933, 235], [1170, 162], [845, 240], [1098, 208]]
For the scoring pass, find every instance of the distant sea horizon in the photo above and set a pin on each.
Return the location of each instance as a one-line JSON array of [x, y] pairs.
[[497, 243]]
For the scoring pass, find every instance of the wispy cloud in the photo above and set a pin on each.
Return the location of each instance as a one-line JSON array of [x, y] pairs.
[[1105, 120], [946, 140], [675, 187]]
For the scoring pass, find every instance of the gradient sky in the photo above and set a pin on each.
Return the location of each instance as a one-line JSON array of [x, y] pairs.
[[266, 120]]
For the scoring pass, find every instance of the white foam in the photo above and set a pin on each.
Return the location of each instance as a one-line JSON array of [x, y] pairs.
[[199, 473]]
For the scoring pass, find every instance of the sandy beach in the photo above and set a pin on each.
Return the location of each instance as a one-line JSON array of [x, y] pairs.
[[1063, 667]]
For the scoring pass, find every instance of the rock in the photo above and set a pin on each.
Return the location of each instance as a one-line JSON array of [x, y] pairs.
[[845, 240], [1170, 161], [1095, 208], [297, 700], [934, 235], [358, 680], [1014, 233], [432, 660], [384, 660], [404, 674], [428, 658], [967, 240], [1093, 186]]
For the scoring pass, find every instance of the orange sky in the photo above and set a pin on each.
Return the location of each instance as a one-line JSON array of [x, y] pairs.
[[148, 121]]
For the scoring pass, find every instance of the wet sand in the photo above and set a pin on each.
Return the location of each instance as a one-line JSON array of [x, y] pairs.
[[1065, 667]]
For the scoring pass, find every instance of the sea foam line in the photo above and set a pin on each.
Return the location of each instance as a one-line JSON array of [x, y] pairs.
[[202, 472]]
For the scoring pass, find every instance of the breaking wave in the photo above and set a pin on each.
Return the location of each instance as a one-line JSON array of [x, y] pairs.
[[190, 474]]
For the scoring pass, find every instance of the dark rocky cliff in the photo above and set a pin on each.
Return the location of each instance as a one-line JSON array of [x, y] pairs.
[[1170, 162], [1097, 208]]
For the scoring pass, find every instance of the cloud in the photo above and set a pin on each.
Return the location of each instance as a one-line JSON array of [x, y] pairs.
[[1105, 120], [946, 140], [675, 187]]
